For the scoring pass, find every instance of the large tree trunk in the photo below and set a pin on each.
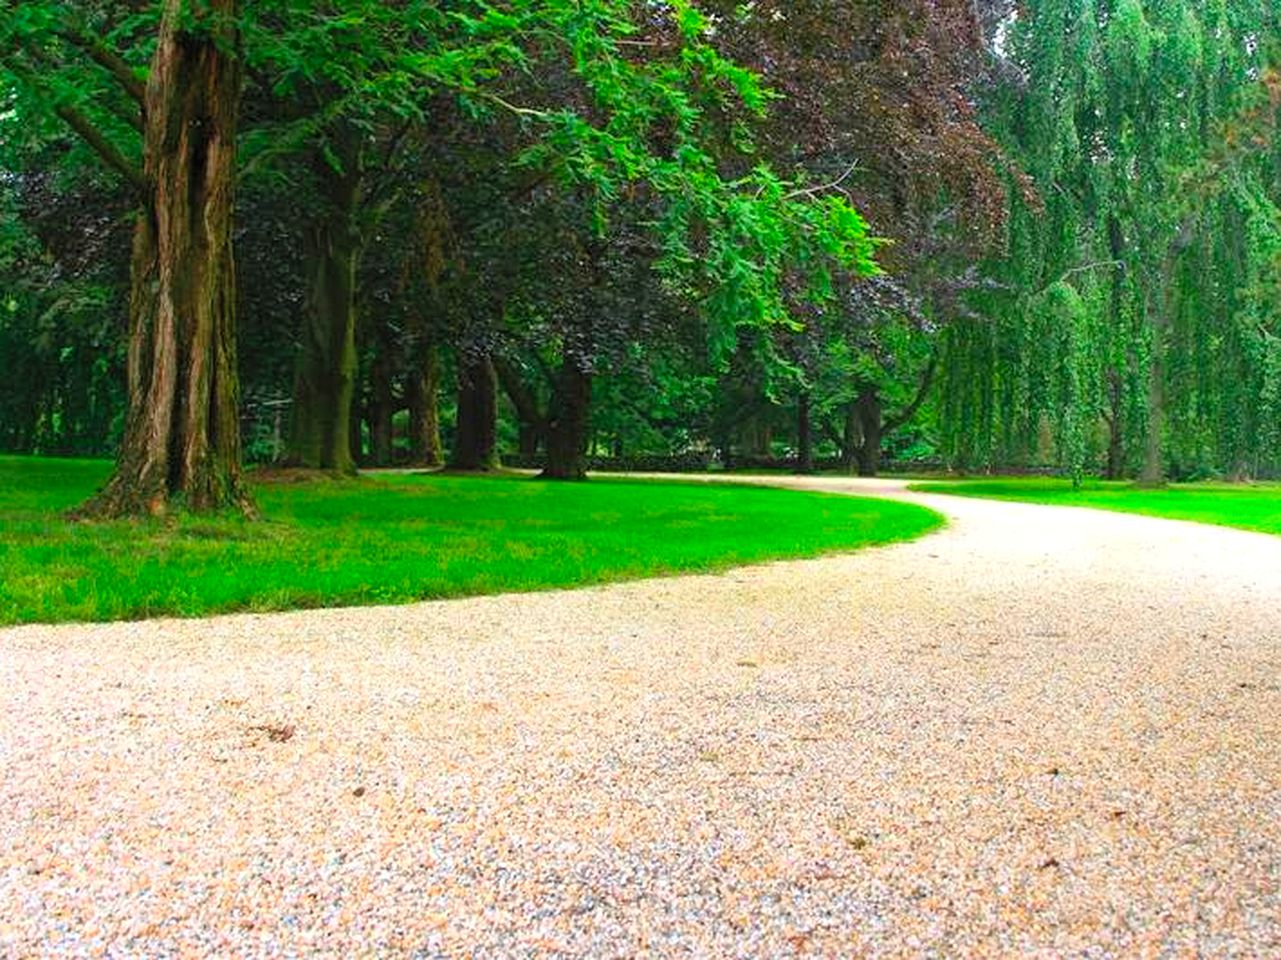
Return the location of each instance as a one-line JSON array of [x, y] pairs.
[[804, 435], [326, 375], [182, 434], [382, 406], [476, 434], [851, 439], [569, 425], [532, 425], [871, 424], [355, 437], [1160, 315], [1153, 473], [1116, 452], [529, 437], [424, 408], [1116, 439]]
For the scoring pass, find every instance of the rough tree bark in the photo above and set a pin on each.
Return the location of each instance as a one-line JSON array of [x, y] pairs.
[[382, 407], [476, 433], [1116, 439], [325, 383], [182, 435], [804, 435], [851, 438], [424, 409], [871, 426], [569, 424], [1160, 314], [532, 425]]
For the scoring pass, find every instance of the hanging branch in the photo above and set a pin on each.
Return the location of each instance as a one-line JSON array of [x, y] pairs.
[[1085, 268], [908, 412], [823, 187]]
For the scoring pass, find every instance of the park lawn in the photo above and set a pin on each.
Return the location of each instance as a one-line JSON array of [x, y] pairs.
[[1247, 506], [399, 538]]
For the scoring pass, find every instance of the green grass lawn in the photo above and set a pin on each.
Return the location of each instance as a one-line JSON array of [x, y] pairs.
[[1248, 506], [395, 539]]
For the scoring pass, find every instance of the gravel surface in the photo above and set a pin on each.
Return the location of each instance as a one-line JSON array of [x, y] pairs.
[[1043, 731]]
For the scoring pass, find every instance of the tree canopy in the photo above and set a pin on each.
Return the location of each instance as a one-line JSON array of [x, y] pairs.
[[546, 231]]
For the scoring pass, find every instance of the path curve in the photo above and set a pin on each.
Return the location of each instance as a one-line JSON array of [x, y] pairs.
[[1043, 731]]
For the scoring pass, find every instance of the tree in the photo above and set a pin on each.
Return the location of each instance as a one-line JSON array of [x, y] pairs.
[[1118, 331], [181, 438], [878, 103], [325, 384], [64, 269], [642, 128]]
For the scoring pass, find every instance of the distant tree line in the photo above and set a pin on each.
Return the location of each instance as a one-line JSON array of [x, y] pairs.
[[354, 233]]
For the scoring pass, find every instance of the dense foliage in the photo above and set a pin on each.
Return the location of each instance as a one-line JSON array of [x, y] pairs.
[[1135, 328], [643, 234]]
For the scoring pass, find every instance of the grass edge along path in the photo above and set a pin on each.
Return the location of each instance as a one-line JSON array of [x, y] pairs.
[[400, 539], [1253, 507]]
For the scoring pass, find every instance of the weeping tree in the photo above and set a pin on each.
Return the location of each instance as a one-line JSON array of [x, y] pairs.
[[1125, 332]]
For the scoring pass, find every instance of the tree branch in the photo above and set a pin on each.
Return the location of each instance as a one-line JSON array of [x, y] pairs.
[[823, 187], [110, 154], [108, 59], [837, 436], [129, 81], [908, 412], [383, 192], [510, 107], [521, 396], [108, 151], [1115, 264]]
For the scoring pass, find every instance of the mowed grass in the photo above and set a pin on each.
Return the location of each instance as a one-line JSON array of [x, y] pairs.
[[1247, 506], [396, 539]]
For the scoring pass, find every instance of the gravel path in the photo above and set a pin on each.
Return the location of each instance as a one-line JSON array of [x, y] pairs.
[[1043, 731]]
